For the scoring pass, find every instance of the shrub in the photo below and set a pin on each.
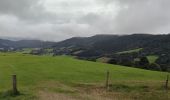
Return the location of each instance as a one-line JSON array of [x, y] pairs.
[[155, 66]]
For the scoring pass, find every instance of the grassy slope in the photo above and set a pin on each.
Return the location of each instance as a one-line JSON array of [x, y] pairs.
[[103, 59], [152, 58], [130, 51], [32, 70], [27, 50]]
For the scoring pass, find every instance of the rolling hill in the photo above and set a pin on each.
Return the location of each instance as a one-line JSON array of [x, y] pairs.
[[122, 50], [24, 44], [125, 50], [41, 76], [157, 44]]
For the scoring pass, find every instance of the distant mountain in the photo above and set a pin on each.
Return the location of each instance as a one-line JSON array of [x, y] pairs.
[[24, 44], [154, 43], [113, 43], [4, 43], [14, 38], [84, 41]]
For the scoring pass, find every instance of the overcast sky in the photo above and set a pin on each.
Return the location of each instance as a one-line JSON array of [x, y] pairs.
[[61, 19]]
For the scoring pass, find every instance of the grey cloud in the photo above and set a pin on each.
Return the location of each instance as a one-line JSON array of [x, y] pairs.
[[17, 7], [143, 16], [136, 16], [61, 19], [26, 10]]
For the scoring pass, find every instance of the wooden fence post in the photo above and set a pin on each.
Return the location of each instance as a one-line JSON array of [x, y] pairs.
[[14, 82], [107, 80], [166, 84]]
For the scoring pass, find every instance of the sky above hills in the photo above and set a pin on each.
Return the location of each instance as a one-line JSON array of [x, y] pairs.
[[61, 19]]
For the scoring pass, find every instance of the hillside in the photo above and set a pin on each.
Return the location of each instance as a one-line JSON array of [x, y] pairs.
[[122, 50], [128, 50], [115, 43], [6, 44], [69, 77]]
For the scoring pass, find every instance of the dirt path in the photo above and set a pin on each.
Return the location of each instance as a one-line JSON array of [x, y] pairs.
[[58, 91]]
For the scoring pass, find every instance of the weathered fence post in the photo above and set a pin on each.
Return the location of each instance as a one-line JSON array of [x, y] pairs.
[[14, 82], [166, 84], [107, 80]]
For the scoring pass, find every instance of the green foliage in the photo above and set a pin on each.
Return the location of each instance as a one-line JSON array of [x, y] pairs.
[[144, 61], [155, 66], [27, 50]]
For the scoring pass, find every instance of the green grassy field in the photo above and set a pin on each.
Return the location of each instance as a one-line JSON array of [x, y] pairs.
[[152, 58], [39, 75]]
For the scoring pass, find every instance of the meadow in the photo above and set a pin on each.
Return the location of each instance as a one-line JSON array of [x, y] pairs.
[[67, 78], [152, 58]]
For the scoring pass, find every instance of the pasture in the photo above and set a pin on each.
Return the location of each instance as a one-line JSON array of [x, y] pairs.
[[67, 78]]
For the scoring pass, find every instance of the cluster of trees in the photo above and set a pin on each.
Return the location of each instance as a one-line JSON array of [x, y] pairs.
[[41, 51], [37, 51], [164, 62], [134, 59], [141, 62]]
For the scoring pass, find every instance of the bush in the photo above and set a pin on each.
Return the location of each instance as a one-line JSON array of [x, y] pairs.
[[144, 62], [112, 61], [155, 66]]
